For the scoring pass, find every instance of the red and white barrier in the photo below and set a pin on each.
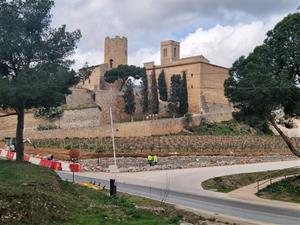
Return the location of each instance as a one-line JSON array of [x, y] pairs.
[[55, 165]]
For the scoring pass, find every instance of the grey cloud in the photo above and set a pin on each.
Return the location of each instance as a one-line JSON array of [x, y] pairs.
[[146, 22]]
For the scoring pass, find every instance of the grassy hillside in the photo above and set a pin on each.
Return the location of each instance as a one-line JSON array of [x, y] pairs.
[[231, 128], [232, 182], [30, 195], [284, 190]]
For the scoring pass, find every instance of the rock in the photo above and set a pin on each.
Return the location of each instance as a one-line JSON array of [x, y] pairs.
[[203, 223], [186, 223]]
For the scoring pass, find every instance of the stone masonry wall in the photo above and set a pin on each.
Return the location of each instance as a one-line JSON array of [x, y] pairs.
[[79, 97], [128, 129]]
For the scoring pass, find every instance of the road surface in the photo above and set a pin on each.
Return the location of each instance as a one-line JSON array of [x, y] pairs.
[[182, 187]]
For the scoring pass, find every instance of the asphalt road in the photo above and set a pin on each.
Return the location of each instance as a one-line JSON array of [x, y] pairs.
[[248, 211]]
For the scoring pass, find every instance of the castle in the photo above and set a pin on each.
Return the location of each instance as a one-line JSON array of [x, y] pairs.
[[204, 81]]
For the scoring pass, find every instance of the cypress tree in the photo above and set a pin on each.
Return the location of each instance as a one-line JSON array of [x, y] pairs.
[[184, 104], [162, 86], [128, 96], [145, 101], [176, 90], [154, 94]]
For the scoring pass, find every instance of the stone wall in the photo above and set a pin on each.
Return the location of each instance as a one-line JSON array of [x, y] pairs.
[[80, 118], [114, 99], [128, 129], [77, 119], [79, 97]]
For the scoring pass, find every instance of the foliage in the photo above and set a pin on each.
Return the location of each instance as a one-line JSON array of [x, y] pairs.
[[285, 190], [145, 92], [42, 198], [184, 104], [34, 68], [123, 72], [162, 86], [176, 91], [268, 79], [188, 119], [84, 73], [50, 114], [42, 127], [154, 94], [128, 96], [231, 127], [232, 182]]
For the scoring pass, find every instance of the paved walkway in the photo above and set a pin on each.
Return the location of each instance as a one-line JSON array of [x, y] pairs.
[[248, 193]]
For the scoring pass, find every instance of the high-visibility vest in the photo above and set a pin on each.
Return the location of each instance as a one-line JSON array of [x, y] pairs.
[[150, 158], [155, 158]]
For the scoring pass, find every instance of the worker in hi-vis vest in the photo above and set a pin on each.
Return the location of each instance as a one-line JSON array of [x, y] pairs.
[[150, 159], [155, 159]]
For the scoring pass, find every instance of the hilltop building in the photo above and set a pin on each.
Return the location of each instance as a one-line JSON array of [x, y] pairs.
[[204, 80]]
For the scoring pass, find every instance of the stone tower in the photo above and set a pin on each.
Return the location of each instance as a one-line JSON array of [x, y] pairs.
[[169, 51], [115, 51]]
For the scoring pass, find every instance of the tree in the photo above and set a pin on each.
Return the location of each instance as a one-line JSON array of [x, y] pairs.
[[84, 73], [268, 79], [145, 101], [34, 68], [184, 102], [128, 96], [176, 90], [51, 114], [123, 72], [154, 94], [162, 86]]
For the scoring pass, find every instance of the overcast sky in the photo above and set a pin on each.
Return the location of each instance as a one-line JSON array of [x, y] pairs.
[[221, 30]]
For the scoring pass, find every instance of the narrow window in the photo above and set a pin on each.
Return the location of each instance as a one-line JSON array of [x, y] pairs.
[[192, 75], [174, 52], [111, 63], [192, 86], [166, 52], [125, 52]]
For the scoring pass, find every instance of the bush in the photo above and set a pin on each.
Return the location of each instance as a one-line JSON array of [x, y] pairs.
[[46, 127]]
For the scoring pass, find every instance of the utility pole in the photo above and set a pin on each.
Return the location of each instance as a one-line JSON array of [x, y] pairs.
[[113, 168]]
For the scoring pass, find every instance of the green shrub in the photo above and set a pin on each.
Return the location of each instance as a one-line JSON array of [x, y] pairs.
[[47, 127]]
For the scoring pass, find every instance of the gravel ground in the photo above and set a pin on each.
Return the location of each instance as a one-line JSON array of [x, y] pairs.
[[130, 164]]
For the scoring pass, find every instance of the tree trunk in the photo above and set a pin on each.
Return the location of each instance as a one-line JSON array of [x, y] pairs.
[[19, 135], [285, 138]]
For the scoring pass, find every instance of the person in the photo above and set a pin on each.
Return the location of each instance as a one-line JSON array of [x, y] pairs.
[[50, 157], [12, 148], [150, 159], [155, 160]]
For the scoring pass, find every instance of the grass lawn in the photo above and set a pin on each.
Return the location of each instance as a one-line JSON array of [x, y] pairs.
[[232, 182], [284, 190], [30, 195]]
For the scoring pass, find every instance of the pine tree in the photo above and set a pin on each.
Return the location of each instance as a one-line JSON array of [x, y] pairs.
[[162, 86], [154, 94], [176, 90], [145, 101], [128, 96], [184, 105], [35, 66]]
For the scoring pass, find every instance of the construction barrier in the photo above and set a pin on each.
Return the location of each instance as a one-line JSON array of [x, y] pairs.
[[74, 167], [55, 165]]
